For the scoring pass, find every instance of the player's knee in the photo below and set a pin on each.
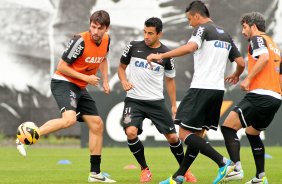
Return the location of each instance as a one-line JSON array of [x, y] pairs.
[[172, 138], [68, 122], [131, 132], [99, 125]]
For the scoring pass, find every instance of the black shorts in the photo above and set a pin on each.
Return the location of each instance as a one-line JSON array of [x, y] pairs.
[[70, 97], [257, 110], [135, 111], [200, 108]]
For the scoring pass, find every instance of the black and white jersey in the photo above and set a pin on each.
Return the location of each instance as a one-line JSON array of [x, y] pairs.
[[215, 46], [147, 80]]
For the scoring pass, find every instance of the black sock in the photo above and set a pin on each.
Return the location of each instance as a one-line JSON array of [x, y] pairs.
[[232, 143], [95, 161], [177, 150], [206, 149], [190, 155], [258, 152], [137, 149]]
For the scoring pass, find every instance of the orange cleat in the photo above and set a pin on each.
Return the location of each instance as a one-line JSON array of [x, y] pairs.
[[189, 177], [146, 175]]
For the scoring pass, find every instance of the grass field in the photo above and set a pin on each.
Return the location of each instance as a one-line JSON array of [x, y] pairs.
[[41, 165]]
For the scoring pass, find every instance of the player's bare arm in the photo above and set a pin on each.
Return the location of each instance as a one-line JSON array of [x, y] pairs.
[[180, 51], [260, 64], [122, 77], [171, 90], [234, 77], [104, 71], [64, 68]]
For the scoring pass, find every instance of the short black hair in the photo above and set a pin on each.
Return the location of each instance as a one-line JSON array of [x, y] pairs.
[[155, 22], [254, 18], [102, 17], [198, 7]]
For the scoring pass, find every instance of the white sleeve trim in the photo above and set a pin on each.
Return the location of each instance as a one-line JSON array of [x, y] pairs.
[[260, 51], [197, 40]]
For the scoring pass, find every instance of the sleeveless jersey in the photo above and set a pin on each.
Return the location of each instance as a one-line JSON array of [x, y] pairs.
[[269, 77], [84, 56]]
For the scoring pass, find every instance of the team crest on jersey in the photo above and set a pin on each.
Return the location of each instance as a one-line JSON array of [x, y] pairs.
[[72, 99], [127, 118]]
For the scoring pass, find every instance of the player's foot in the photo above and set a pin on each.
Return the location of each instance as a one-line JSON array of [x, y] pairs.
[[258, 181], [223, 171], [189, 177], [21, 148], [170, 180], [146, 175], [234, 175], [93, 177]]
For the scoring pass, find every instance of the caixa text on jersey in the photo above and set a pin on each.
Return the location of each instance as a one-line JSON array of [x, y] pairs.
[[94, 59]]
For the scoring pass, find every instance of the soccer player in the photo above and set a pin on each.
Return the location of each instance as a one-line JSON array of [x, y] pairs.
[[257, 109], [199, 110], [85, 54], [145, 99]]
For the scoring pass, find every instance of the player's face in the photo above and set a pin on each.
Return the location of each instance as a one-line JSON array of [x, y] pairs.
[[151, 37], [97, 31], [192, 19], [246, 31]]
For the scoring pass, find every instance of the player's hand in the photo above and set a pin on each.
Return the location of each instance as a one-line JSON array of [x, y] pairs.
[[154, 57], [232, 79], [173, 111], [106, 87], [245, 84], [127, 85], [93, 80]]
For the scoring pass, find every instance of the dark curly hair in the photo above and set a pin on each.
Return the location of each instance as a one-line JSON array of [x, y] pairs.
[[254, 18]]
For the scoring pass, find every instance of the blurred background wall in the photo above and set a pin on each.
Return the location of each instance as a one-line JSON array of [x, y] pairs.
[[34, 33]]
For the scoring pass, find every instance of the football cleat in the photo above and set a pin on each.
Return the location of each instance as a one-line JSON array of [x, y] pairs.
[[234, 175], [223, 171], [170, 180], [146, 175], [21, 148], [93, 177], [258, 181], [189, 177]]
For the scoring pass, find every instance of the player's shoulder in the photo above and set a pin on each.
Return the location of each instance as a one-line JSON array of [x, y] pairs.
[[77, 38], [257, 41], [137, 43], [257, 38], [164, 48], [76, 41]]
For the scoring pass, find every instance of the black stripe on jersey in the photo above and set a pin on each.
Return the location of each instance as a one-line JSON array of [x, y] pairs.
[[74, 49], [281, 68], [256, 42]]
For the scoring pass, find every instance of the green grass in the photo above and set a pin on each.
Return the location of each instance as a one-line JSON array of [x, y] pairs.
[[41, 165]]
